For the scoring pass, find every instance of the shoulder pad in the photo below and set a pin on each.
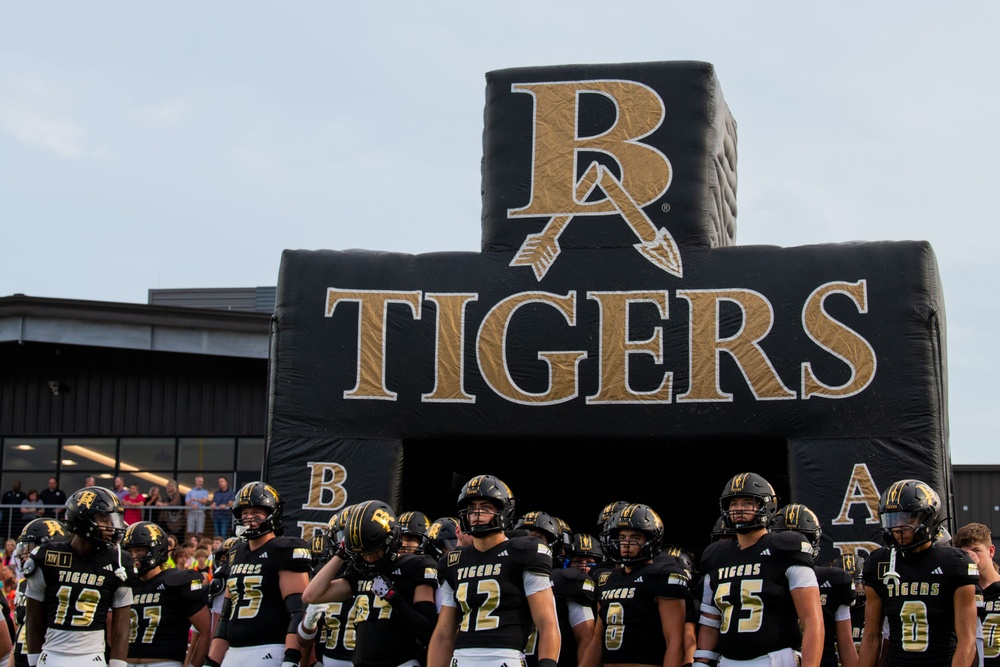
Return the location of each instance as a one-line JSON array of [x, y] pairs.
[[791, 541]]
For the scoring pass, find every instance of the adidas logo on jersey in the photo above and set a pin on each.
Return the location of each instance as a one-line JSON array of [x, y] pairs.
[[268, 657], [937, 570], [109, 568], [766, 552], [639, 580], [503, 554], [826, 584], [263, 555], [161, 587]]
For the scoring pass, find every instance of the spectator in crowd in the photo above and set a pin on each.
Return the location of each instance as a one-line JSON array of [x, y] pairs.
[[152, 498], [222, 508], [120, 489], [89, 480], [171, 550], [196, 500], [31, 508], [172, 519], [12, 515], [133, 502], [53, 495], [7, 557]]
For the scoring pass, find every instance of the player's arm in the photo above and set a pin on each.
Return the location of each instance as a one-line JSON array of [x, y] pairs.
[[965, 625], [201, 620], [582, 619], [220, 642], [326, 586], [6, 641], [121, 621], [708, 626], [845, 642], [292, 584], [417, 618], [871, 640], [442, 643], [810, 612], [673, 612], [592, 655], [542, 605]]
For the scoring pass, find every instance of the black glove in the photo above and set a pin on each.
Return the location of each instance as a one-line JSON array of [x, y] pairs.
[[341, 551], [291, 658], [383, 588]]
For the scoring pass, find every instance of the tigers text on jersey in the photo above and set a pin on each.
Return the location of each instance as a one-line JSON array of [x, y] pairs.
[[989, 617], [489, 590], [749, 590], [257, 613], [919, 605], [161, 609], [836, 590], [77, 594], [381, 637], [628, 608]]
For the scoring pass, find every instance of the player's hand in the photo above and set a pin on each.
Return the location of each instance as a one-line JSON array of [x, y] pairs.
[[382, 588], [341, 552], [311, 617]]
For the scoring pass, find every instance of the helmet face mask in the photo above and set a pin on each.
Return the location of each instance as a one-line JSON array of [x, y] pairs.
[[96, 514], [497, 494], [909, 512], [753, 486], [371, 537], [254, 524]]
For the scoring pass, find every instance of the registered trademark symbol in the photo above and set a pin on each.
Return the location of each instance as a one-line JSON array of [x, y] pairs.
[[665, 207]]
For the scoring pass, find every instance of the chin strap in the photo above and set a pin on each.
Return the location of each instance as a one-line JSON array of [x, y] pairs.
[[891, 576]]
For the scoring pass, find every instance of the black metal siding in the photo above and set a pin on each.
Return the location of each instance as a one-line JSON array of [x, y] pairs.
[[117, 392], [977, 496]]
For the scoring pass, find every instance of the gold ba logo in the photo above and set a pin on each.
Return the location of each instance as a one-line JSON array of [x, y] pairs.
[[86, 499], [557, 151]]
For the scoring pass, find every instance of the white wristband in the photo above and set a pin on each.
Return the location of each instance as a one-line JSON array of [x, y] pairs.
[[308, 636], [117, 663], [33, 659], [710, 622], [708, 655]]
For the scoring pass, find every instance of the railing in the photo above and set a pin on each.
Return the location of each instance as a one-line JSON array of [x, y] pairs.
[[11, 530]]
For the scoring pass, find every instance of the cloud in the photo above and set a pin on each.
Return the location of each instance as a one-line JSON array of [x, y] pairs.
[[31, 112], [167, 113]]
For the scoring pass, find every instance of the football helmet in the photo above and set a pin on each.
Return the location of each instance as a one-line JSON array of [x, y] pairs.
[[802, 520], [678, 555], [415, 524], [720, 531], [149, 536], [561, 550], [753, 485], [265, 496], [371, 529], [83, 509], [909, 502], [442, 536], [605, 516], [219, 555], [38, 532], [586, 545], [486, 487], [544, 523], [636, 517], [942, 537]]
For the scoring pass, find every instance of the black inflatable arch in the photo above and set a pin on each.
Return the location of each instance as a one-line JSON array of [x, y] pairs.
[[610, 341]]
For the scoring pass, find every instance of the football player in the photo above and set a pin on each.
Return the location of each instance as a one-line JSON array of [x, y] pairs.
[[926, 591], [73, 585], [38, 532], [761, 600], [641, 605], [328, 627], [165, 603], [836, 583], [268, 572], [573, 590], [585, 552], [414, 526], [976, 540], [393, 593], [494, 590]]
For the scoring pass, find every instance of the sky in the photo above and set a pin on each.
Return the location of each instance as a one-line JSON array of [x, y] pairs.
[[173, 145]]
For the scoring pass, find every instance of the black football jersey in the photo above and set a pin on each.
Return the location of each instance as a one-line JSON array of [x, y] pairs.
[[858, 621], [257, 614], [79, 591], [750, 589], [489, 590], [627, 606], [989, 617], [568, 585], [836, 589], [919, 604], [381, 638], [161, 612]]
